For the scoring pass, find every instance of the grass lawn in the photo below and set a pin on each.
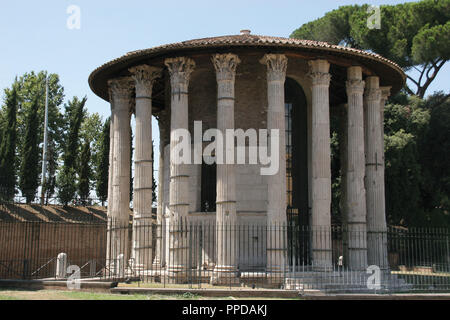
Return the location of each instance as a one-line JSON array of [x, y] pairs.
[[83, 295]]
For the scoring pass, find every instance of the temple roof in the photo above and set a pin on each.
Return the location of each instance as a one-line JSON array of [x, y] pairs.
[[390, 73]]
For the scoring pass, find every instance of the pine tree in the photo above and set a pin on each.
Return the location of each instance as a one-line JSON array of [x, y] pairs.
[[85, 172], [29, 170], [8, 145], [103, 163]]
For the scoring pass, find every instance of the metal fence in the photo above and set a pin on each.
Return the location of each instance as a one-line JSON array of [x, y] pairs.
[[200, 254]]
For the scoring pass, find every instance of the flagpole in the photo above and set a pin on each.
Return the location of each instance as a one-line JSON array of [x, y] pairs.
[[44, 151]]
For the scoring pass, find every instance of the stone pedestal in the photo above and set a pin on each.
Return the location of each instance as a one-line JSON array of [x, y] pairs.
[[355, 170], [180, 70], [320, 165], [276, 184], [144, 77], [225, 269], [374, 179]]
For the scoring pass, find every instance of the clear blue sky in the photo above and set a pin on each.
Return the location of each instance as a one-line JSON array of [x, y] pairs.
[[34, 35]]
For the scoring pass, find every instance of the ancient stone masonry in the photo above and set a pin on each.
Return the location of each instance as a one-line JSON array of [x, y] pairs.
[[321, 164], [121, 94], [225, 270], [144, 77], [285, 87], [355, 190], [180, 70], [276, 184], [374, 179]]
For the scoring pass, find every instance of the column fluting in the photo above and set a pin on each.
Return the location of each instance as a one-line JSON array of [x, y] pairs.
[[276, 184], [355, 171], [320, 164], [374, 179], [144, 77], [180, 70]]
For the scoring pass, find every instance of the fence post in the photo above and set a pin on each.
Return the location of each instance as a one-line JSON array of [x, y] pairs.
[[61, 265]]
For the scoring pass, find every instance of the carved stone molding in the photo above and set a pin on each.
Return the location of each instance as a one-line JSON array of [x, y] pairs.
[[372, 94], [355, 86], [276, 66], [385, 92], [225, 65], [319, 72], [180, 70], [320, 78], [144, 77], [119, 89]]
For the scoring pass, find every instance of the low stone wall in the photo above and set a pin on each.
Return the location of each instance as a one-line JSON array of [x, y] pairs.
[[29, 249]]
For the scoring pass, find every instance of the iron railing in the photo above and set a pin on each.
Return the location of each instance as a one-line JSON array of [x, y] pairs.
[[201, 253]]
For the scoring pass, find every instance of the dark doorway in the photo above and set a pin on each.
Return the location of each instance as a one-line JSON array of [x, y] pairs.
[[208, 188], [297, 172], [296, 152]]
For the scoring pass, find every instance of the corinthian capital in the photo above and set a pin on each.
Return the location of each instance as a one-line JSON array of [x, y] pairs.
[[385, 92], [144, 76], [320, 78], [119, 89], [355, 86], [318, 72], [180, 70], [372, 94], [276, 66], [225, 65]]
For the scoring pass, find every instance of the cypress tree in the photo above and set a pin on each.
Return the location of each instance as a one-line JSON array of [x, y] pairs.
[[29, 170], [8, 146], [85, 171], [66, 180], [103, 164]]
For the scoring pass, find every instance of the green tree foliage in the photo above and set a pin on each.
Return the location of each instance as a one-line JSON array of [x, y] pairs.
[[29, 169], [417, 137], [85, 171], [32, 85], [90, 139], [415, 35], [103, 163], [8, 145], [66, 181], [434, 157]]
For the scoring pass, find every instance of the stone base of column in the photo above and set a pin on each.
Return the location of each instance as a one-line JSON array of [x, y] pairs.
[[357, 259], [177, 274], [138, 269], [322, 260], [377, 249], [225, 275], [276, 261], [157, 264]]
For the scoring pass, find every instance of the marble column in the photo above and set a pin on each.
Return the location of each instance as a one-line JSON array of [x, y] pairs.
[[144, 76], [355, 170], [276, 184], [158, 262], [374, 179], [385, 93], [225, 269], [111, 154], [180, 70], [320, 165], [121, 98]]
